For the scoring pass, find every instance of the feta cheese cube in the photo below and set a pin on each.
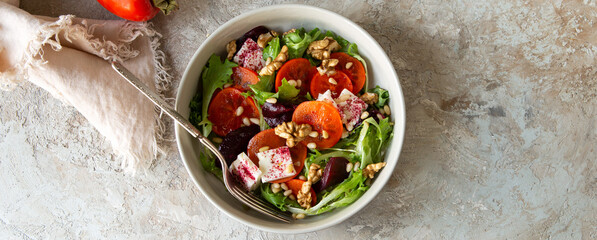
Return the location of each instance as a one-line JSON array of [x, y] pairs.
[[350, 107], [246, 172], [327, 97], [276, 164], [250, 55]]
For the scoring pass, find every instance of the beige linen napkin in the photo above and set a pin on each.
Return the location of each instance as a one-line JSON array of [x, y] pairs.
[[67, 57]]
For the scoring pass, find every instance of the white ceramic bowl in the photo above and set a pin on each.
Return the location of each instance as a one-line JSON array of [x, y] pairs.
[[282, 18]]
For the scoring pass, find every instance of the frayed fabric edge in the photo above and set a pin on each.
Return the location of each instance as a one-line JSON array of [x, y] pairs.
[[121, 51]]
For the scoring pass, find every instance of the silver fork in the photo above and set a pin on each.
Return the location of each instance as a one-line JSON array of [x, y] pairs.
[[233, 188]]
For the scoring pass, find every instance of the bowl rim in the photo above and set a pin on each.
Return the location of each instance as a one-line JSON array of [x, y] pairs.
[[398, 128]]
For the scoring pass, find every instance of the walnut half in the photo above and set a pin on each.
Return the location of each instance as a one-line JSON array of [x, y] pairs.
[[231, 48], [276, 63], [304, 197], [328, 66], [292, 132], [369, 98], [322, 49], [373, 168], [264, 39], [315, 173]]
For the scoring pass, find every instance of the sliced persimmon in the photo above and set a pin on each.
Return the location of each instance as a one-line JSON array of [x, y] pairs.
[[335, 83], [223, 108], [296, 69], [356, 71], [322, 116], [243, 77], [296, 184], [269, 138]]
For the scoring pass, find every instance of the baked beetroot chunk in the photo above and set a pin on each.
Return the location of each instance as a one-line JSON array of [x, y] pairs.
[[236, 142], [334, 173]]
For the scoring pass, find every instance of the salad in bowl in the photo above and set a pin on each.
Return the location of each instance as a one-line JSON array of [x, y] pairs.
[[295, 116]]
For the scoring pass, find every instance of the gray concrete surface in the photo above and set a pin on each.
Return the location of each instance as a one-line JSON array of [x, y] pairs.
[[501, 139]]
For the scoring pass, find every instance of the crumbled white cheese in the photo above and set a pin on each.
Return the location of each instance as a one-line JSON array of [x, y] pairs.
[[276, 164], [351, 107], [250, 55], [246, 172]]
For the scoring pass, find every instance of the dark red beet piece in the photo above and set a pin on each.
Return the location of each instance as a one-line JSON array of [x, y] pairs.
[[275, 121], [236, 142], [333, 173], [275, 114], [275, 109], [252, 34]]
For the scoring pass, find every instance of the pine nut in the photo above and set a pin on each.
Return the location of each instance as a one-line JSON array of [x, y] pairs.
[[379, 116], [287, 193], [284, 186], [386, 108], [348, 167], [275, 185], [217, 140], [312, 145], [263, 149], [292, 197], [300, 216], [349, 128], [271, 100], [313, 134], [382, 111], [292, 83], [302, 178], [299, 83], [364, 115], [254, 120], [276, 190], [332, 81], [239, 111], [227, 85], [246, 121], [325, 134], [344, 133], [356, 166], [348, 65]]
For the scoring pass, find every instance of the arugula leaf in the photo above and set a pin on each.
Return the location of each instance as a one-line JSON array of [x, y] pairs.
[[298, 41], [319, 158], [383, 96], [266, 83], [277, 199], [308, 97], [273, 49], [215, 75], [372, 138], [286, 92], [208, 161], [195, 106], [342, 195]]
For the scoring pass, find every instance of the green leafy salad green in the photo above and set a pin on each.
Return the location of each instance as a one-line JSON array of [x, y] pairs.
[[361, 145]]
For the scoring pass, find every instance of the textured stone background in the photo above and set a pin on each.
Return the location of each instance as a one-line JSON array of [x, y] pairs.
[[501, 137]]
